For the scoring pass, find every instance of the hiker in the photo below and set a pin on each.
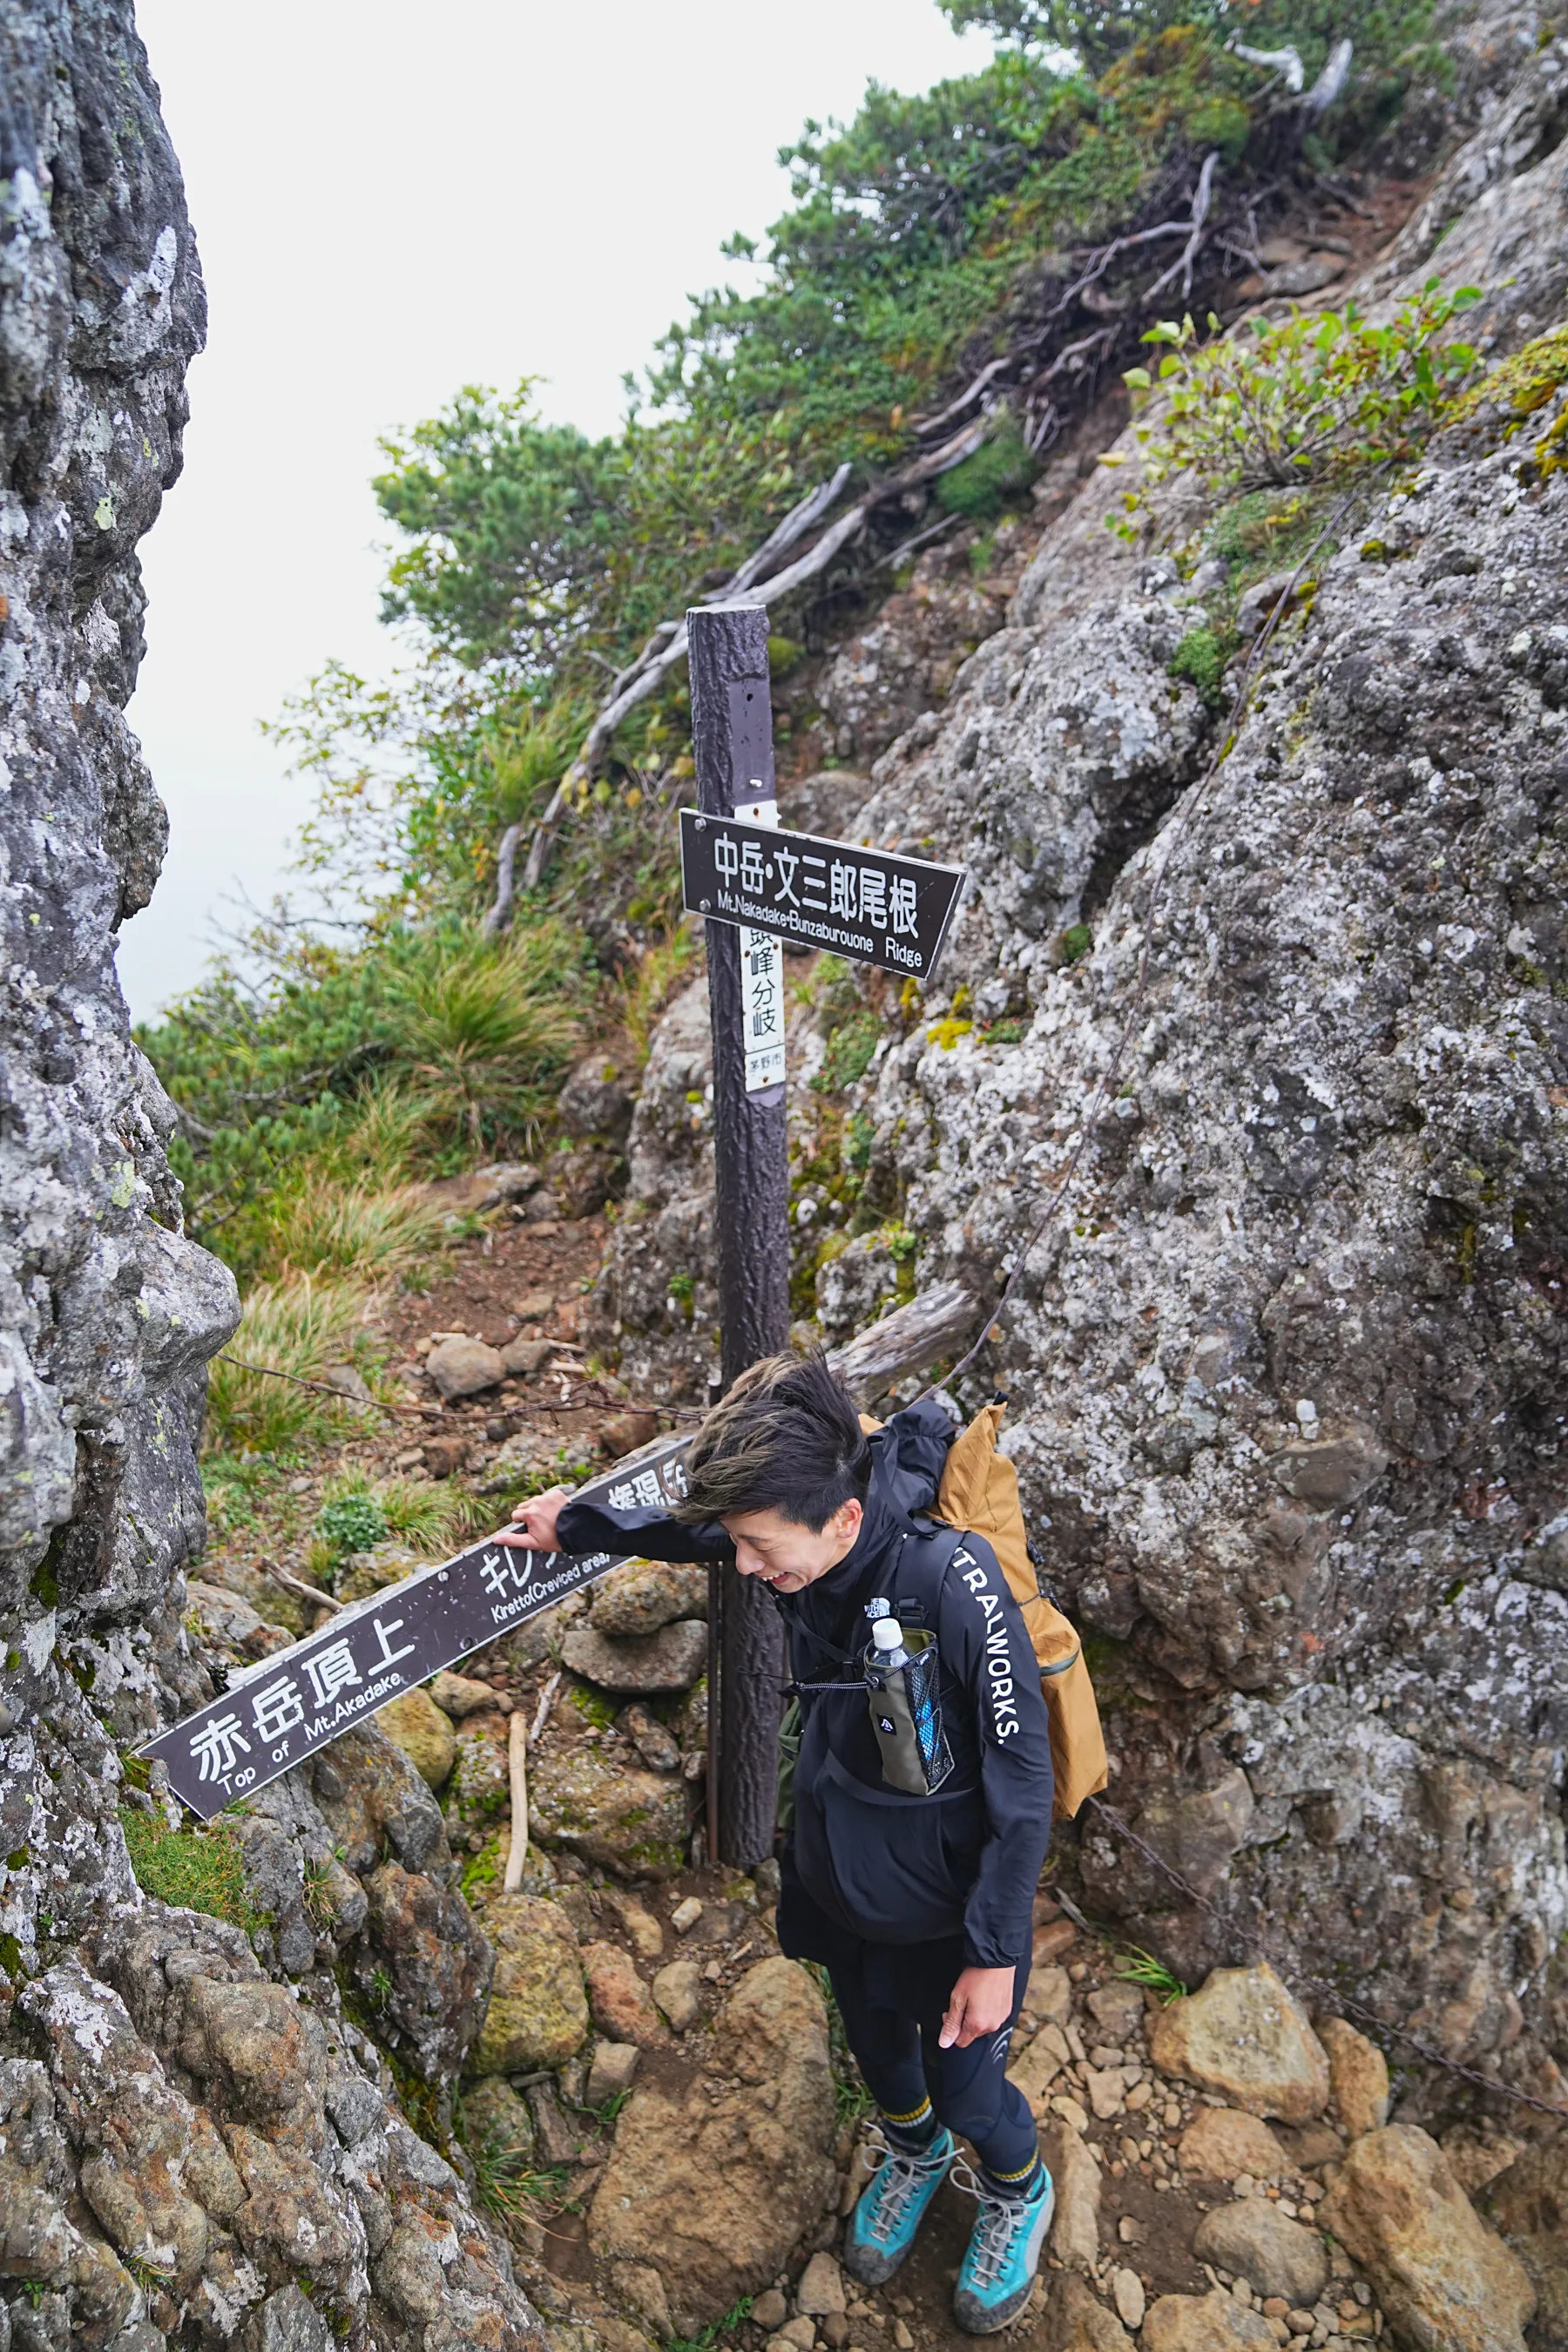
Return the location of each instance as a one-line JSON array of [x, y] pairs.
[[918, 1904]]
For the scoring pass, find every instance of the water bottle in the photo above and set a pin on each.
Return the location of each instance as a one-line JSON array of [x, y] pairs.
[[888, 1641], [902, 1694]]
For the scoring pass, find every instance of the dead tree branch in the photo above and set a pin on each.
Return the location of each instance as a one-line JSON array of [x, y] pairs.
[[1182, 265]]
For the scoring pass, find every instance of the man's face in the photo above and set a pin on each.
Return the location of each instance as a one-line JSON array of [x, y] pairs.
[[783, 1553]]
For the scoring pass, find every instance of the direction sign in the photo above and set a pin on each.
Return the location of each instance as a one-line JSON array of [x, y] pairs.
[[273, 1716], [859, 903], [762, 1009]]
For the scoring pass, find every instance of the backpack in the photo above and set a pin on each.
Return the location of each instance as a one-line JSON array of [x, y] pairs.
[[979, 1494]]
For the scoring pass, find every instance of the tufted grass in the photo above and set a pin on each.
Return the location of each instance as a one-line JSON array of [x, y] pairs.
[[196, 1869], [1141, 1967], [374, 1233], [298, 1326]]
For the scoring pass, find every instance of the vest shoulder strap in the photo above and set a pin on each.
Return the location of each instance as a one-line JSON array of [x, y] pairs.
[[925, 1558]]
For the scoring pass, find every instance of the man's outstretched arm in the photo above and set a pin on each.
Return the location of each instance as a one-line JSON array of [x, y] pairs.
[[553, 1522]]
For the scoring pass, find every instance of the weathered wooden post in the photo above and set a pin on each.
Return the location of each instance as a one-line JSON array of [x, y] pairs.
[[732, 735]]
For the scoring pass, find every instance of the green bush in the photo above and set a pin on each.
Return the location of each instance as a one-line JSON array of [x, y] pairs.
[[428, 1516], [1312, 398], [306, 1100], [848, 1053], [351, 1522]]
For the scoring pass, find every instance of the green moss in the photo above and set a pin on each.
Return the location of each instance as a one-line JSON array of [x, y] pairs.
[[1520, 385], [593, 1705], [481, 1869], [1200, 658], [850, 1051], [1075, 941], [199, 1869], [783, 655]]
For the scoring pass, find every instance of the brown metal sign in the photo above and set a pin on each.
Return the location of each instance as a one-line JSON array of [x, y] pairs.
[[865, 904], [273, 1716]]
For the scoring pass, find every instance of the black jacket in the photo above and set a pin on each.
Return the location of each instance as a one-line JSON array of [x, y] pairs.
[[890, 1868]]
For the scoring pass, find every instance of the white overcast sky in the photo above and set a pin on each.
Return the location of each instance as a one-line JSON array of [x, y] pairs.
[[391, 202]]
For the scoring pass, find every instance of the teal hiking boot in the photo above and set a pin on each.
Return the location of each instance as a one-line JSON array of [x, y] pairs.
[[1002, 2255], [892, 2206]]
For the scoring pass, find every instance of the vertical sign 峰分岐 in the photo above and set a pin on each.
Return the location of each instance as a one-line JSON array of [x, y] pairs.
[[763, 999]]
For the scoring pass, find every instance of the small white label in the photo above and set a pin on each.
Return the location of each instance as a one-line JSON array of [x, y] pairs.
[[763, 1004]]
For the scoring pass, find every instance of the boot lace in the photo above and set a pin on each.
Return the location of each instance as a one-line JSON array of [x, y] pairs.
[[998, 2217], [897, 2177]]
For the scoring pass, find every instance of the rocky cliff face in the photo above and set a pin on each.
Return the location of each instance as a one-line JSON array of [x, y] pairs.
[[196, 2146], [1288, 1372]]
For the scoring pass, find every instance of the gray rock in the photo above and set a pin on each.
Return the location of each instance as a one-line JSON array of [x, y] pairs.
[[287, 2322], [614, 2065], [460, 1368], [657, 1747], [596, 1101], [669, 1660], [1274, 2255], [644, 1595], [677, 1990], [1308, 277]]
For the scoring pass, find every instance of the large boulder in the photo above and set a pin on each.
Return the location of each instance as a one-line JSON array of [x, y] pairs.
[[1221, 2142], [375, 1800], [1204, 2322], [425, 1966], [669, 1660], [632, 1823], [1358, 2076], [1244, 2035], [414, 1722], [1282, 1363], [646, 1594], [1446, 2281], [1528, 2203], [538, 2010], [713, 2196], [1076, 2321]]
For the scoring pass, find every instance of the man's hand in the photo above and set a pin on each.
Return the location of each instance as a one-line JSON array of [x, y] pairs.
[[982, 2002], [534, 1522]]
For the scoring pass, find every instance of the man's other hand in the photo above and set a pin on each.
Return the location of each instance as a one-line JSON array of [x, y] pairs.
[[982, 2003], [534, 1522]]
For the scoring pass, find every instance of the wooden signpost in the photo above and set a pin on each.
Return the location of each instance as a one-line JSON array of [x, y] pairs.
[[757, 885], [751, 880]]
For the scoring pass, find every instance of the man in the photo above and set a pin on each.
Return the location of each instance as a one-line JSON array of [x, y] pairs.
[[918, 1906]]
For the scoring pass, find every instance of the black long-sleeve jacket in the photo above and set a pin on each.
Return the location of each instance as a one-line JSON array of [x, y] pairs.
[[891, 1868]]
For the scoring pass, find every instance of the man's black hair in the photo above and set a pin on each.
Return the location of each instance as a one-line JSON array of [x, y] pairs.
[[787, 1438]]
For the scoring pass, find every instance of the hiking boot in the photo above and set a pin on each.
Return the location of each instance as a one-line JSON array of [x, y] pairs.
[[1002, 2255], [892, 2206]]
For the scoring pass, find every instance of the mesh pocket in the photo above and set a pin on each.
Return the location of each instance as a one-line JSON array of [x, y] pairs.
[[905, 1705]]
